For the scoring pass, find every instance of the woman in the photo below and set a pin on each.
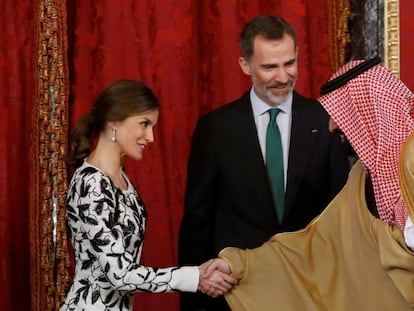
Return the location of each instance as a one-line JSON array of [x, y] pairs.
[[105, 214]]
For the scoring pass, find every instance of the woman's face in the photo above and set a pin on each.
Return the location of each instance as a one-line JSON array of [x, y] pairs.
[[135, 133]]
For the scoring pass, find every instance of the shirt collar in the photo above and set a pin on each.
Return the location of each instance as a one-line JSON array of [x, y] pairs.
[[260, 107]]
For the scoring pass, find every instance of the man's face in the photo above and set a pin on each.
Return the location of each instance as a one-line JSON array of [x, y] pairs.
[[273, 68], [334, 128]]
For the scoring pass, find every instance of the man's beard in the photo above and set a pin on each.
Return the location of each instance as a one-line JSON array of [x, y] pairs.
[[349, 150], [266, 92], [276, 99]]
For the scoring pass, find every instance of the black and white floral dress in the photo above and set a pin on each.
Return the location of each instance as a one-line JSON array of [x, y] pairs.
[[107, 227]]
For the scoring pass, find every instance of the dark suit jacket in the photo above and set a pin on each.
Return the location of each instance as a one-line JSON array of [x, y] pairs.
[[228, 201]]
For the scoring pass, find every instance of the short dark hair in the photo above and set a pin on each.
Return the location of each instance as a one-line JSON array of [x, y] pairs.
[[269, 27]]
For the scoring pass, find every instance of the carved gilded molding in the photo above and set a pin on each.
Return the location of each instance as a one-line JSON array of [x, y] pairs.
[[392, 36]]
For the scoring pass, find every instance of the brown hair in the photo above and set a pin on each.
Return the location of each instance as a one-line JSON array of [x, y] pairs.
[[120, 100], [269, 27]]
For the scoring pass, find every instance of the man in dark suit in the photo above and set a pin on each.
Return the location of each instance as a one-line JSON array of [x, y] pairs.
[[229, 199]]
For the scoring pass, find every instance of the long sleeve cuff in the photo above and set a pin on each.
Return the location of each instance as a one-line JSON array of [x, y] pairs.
[[237, 260], [186, 279]]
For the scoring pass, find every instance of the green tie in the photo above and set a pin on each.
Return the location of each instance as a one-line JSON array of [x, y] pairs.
[[274, 163]]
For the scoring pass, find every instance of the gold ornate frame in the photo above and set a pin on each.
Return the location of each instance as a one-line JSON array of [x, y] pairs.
[[392, 36]]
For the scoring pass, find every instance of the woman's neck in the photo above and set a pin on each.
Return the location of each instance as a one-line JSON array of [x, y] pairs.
[[107, 157]]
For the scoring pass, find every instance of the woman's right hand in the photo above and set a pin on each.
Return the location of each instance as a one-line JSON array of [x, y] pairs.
[[215, 277]]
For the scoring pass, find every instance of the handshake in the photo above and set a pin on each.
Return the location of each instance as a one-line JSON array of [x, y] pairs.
[[215, 277]]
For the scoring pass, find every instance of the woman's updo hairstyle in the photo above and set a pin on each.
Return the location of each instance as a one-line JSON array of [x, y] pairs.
[[120, 100]]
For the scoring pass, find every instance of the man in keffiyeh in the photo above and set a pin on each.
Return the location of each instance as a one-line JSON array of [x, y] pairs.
[[346, 258], [375, 110]]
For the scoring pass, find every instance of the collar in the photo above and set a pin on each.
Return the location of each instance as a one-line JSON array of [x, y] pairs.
[[260, 107]]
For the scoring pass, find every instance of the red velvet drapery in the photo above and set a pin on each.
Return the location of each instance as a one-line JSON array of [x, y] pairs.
[[406, 42], [16, 98], [187, 51]]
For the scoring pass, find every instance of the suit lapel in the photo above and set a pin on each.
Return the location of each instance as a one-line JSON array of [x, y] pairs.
[[302, 142], [251, 159]]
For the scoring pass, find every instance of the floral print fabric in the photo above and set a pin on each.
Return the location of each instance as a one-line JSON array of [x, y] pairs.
[[107, 227]]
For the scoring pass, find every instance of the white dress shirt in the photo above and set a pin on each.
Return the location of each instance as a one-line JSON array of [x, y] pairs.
[[283, 119], [409, 233]]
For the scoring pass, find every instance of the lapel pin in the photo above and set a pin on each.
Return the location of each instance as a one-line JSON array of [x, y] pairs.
[[314, 131]]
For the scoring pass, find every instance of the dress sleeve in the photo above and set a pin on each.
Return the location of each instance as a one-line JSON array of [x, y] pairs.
[[108, 235], [236, 258]]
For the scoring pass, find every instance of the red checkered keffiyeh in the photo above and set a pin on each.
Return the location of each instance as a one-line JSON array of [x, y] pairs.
[[374, 110]]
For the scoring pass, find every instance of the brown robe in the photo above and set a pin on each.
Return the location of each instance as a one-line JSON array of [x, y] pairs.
[[345, 259]]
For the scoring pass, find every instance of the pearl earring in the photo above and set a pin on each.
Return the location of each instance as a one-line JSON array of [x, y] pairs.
[[113, 138]]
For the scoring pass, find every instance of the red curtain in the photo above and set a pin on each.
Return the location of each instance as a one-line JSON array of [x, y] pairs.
[[406, 42], [187, 51], [16, 98]]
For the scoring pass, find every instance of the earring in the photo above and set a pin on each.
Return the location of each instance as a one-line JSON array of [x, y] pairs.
[[113, 138]]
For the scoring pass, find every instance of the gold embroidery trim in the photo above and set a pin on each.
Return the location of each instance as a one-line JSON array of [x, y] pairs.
[[339, 12], [50, 273]]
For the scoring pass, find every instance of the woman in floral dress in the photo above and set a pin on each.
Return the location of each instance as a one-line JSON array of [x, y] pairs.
[[105, 214]]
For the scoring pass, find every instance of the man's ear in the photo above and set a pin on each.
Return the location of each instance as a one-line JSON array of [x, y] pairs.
[[244, 65]]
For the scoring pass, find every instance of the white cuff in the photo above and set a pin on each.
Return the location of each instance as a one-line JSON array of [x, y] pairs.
[[409, 233], [185, 279]]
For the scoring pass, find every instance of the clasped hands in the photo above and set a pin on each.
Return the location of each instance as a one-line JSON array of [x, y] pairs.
[[215, 277]]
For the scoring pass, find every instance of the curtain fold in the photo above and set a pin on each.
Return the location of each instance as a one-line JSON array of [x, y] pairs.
[[61, 54], [16, 84]]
